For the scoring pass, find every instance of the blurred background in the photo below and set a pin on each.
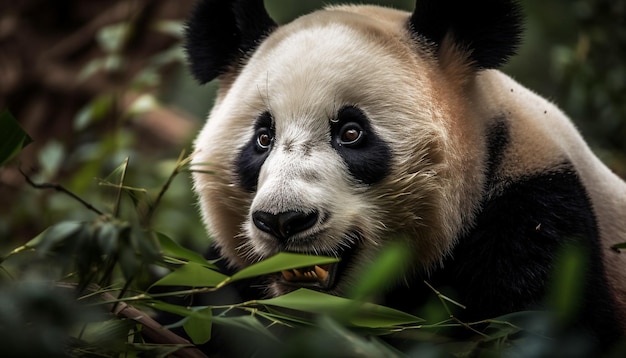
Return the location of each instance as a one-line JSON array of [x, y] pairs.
[[96, 82]]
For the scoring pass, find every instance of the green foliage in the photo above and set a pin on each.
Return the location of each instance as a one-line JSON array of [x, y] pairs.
[[12, 137]]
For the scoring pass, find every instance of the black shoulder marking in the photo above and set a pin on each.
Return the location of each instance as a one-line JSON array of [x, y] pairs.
[[489, 30], [505, 263], [219, 32]]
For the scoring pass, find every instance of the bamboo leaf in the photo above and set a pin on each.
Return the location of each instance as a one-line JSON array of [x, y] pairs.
[[198, 326], [175, 309], [193, 275], [282, 261], [247, 323], [618, 247], [354, 313], [55, 235], [50, 158], [12, 137], [391, 264], [173, 249]]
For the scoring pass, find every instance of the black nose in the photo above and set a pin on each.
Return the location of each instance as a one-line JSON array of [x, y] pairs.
[[284, 225]]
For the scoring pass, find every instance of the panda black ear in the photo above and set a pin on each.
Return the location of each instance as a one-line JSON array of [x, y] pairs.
[[220, 32], [488, 31]]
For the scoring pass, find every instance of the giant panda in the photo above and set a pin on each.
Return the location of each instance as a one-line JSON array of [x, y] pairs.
[[354, 126]]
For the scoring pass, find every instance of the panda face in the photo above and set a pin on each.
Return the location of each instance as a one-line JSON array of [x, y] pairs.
[[301, 148]]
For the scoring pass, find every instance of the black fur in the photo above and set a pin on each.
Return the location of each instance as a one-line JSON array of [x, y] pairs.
[[489, 30], [497, 140], [250, 158], [220, 32], [505, 263], [369, 161]]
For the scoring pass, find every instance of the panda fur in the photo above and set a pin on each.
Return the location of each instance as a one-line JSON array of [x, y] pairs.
[[354, 125]]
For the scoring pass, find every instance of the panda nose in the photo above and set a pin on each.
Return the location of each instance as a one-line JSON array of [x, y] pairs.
[[285, 224]]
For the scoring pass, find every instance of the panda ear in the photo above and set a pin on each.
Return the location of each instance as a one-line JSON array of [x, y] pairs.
[[487, 32], [220, 32]]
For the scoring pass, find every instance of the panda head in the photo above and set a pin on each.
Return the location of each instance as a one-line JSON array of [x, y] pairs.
[[331, 135]]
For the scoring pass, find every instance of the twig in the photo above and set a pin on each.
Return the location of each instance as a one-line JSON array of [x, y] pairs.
[[61, 189], [152, 329], [118, 198], [83, 36], [180, 163], [443, 299]]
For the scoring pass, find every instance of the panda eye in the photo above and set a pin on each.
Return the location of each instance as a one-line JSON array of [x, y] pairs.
[[351, 134], [264, 139]]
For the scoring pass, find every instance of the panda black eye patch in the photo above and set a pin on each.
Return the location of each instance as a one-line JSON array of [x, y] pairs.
[[365, 153], [253, 154]]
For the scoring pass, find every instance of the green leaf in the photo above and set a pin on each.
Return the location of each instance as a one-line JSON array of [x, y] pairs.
[[48, 238], [142, 104], [173, 249], [282, 261], [170, 27], [112, 37], [107, 236], [12, 137], [248, 323], [91, 68], [387, 268], [567, 286], [129, 262], [148, 77], [198, 327], [94, 111], [51, 157], [145, 243], [172, 308], [107, 332], [354, 313], [618, 247], [55, 235], [193, 275], [330, 339], [173, 54]]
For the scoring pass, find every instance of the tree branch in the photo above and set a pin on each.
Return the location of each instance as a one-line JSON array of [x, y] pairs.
[[59, 188]]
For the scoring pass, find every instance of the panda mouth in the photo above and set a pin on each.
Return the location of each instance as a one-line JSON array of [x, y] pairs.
[[321, 277], [318, 276]]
